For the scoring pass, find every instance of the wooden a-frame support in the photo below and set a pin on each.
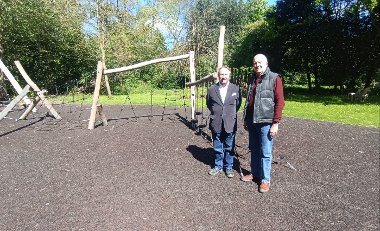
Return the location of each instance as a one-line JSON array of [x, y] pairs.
[[40, 95], [14, 83], [14, 102]]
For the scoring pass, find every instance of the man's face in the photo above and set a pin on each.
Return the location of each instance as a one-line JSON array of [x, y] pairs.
[[224, 76], [260, 65]]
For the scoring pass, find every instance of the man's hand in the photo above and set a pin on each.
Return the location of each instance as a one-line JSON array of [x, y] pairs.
[[273, 129]]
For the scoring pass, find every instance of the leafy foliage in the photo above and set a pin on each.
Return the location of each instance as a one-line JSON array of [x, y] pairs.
[[332, 41], [204, 21], [318, 42], [53, 51]]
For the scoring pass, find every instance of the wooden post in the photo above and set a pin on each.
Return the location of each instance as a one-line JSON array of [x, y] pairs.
[[99, 74], [102, 40], [14, 102], [107, 83], [221, 46], [220, 50], [192, 88], [14, 83], [39, 93]]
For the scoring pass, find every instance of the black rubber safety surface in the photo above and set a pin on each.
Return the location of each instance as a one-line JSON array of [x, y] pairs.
[[148, 170]]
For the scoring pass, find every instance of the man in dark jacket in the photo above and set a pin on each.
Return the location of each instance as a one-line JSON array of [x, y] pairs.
[[223, 100], [262, 115]]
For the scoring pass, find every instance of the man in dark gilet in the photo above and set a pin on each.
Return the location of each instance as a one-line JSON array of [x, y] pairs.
[[262, 115]]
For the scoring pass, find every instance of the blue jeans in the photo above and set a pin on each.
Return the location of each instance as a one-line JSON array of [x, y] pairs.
[[224, 144], [260, 145]]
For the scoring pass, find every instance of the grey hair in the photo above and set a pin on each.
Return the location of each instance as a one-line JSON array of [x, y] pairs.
[[229, 69]]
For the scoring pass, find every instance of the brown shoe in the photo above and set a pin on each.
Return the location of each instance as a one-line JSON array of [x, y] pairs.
[[264, 187], [247, 178]]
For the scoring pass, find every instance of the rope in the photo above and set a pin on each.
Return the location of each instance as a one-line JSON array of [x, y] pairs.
[[163, 112], [151, 105], [127, 97]]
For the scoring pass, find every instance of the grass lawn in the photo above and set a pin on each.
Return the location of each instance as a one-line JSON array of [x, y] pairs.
[[329, 106], [356, 114]]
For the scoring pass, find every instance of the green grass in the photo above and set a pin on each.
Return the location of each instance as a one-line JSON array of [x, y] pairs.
[[355, 114], [323, 107], [156, 97], [327, 105]]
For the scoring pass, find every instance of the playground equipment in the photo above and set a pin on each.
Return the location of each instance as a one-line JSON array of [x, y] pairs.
[[14, 82], [101, 71], [22, 95]]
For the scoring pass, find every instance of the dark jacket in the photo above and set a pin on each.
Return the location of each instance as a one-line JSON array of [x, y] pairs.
[[223, 113]]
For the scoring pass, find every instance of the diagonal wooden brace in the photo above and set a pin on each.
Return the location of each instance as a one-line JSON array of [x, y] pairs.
[[39, 93], [13, 103], [14, 83], [34, 103]]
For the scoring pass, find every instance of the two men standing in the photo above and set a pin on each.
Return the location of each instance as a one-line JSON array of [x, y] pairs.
[[262, 114]]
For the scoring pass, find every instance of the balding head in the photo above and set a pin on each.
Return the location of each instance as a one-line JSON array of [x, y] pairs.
[[260, 63]]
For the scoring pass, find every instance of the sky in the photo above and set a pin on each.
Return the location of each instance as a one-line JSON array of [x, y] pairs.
[[89, 29], [270, 2], [163, 29]]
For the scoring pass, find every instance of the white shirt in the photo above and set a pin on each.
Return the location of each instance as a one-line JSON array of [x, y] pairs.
[[223, 91]]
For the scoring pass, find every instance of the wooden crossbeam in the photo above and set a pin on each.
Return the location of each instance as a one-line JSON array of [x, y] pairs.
[[138, 65], [13, 103], [207, 78], [40, 94]]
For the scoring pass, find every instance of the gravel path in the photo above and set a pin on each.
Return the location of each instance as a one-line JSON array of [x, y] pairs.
[[147, 170]]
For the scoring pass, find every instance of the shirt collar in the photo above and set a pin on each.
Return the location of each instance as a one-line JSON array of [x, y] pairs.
[[221, 86]]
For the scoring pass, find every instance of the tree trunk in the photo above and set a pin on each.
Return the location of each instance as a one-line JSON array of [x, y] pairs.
[[308, 80], [368, 78], [3, 89]]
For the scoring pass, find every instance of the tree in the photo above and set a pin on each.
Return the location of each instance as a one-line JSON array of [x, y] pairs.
[[204, 21], [323, 38], [255, 34], [47, 40]]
